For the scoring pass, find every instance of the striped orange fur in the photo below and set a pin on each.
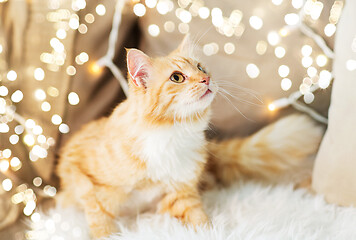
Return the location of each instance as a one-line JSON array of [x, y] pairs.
[[150, 153]]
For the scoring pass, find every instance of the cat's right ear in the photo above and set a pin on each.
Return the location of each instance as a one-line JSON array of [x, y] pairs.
[[139, 67]]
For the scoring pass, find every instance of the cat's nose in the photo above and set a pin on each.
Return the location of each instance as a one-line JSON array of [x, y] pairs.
[[205, 80]]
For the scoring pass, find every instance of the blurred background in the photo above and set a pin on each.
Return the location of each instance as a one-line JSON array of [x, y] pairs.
[[61, 62]]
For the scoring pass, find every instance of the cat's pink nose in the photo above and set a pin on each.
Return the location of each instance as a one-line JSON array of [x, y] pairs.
[[205, 80]]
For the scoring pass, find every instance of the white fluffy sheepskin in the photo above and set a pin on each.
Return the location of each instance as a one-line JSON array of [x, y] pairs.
[[245, 211]]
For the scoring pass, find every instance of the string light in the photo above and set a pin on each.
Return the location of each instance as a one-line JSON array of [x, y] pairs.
[[153, 30], [252, 70], [11, 75], [73, 98], [95, 69], [100, 10], [139, 9], [256, 22], [279, 52], [273, 38], [169, 26], [39, 74], [229, 48], [17, 96], [3, 91], [286, 84]]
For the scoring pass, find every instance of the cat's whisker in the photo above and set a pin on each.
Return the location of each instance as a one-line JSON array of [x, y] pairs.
[[221, 80], [240, 92], [240, 99], [235, 107]]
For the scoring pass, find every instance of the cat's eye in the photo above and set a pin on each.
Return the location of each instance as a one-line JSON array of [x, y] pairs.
[[201, 68], [177, 77]]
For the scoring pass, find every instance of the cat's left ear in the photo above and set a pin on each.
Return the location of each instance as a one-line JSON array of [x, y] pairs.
[[139, 67], [185, 45]]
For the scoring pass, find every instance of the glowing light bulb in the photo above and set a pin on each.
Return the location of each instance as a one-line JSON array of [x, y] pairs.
[[37, 181], [40, 95], [279, 52], [39, 74], [321, 60], [297, 4], [71, 71], [56, 119], [286, 84], [139, 9], [329, 29], [6, 153], [4, 128], [273, 38], [204, 12], [61, 33], [64, 128], [277, 2], [271, 107], [283, 32], [151, 3], [15, 163], [7, 184], [73, 98], [83, 28], [95, 68], [73, 23], [169, 26], [17, 96], [46, 106], [89, 18], [183, 28], [261, 47], [324, 79], [153, 30], [256, 22], [4, 165], [229, 48], [3, 91], [252, 70], [162, 7], [311, 71], [307, 50], [29, 140], [283, 71], [307, 61], [11, 75], [100, 10], [291, 19], [13, 139]]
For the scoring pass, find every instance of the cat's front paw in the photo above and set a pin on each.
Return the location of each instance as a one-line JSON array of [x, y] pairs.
[[196, 217], [100, 231]]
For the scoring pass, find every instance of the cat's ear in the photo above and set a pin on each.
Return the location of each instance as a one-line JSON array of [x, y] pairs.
[[139, 67], [185, 45]]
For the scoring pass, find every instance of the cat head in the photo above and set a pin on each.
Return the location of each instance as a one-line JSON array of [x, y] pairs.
[[177, 86]]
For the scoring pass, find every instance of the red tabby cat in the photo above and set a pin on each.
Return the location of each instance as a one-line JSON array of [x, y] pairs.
[[152, 150]]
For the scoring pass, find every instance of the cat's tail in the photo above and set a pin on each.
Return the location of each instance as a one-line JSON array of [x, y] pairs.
[[273, 150]]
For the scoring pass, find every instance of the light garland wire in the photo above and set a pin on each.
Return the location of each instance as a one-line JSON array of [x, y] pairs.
[[107, 60]]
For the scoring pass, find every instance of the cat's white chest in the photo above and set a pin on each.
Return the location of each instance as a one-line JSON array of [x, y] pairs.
[[172, 154]]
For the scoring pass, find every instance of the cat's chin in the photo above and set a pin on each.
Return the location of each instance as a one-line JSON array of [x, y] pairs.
[[206, 94]]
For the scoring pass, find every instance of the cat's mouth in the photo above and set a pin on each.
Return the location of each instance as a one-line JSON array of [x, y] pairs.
[[208, 92]]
